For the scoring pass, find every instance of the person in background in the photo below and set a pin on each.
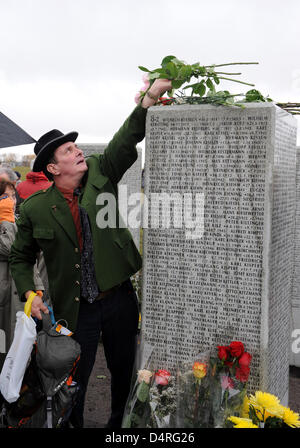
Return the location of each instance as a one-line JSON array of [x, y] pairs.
[[34, 182], [7, 201], [18, 176], [8, 174], [9, 299]]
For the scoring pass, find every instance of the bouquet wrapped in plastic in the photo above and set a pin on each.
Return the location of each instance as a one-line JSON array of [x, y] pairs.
[[152, 401], [201, 393], [228, 384], [193, 393]]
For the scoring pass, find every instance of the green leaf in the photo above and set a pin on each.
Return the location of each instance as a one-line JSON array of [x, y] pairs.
[[172, 69], [189, 71], [191, 85], [254, 95], [216, 79], [166, 60], [210, 84], [177, 84], [201, 89], [202, 71], [144, 69], [253, 416], [142, 392], [159, 70], [154, 75], [164, 75]]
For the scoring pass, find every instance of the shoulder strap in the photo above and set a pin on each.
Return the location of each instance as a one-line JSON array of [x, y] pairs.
[[46, 319]]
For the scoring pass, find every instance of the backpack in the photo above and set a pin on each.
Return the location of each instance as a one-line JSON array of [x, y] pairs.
[[48, 392]]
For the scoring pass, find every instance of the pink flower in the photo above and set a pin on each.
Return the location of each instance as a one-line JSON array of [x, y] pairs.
[[146, 80], [143, 88], [227, 382], [162, 377], [137, 97]]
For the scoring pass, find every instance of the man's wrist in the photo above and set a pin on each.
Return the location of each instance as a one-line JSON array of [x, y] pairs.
[[149, 99], [152, 96], [27, 294]]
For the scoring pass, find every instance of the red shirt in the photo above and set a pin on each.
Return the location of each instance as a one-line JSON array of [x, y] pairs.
[[72, 201]]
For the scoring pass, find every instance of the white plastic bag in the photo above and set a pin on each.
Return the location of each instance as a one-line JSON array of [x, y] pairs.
[[17, 357]]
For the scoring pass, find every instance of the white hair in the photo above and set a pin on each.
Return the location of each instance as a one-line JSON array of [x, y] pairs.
[[11, 174]]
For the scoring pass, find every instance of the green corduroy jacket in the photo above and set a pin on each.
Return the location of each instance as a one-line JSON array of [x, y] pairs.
[[46, 224]]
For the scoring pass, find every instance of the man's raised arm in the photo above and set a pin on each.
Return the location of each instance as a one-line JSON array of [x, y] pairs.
[[121, 151]]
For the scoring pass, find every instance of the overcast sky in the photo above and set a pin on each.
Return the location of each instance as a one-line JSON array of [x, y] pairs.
[[73, 64]]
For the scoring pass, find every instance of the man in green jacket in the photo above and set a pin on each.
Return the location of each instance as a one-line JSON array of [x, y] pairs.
[[88, 266]]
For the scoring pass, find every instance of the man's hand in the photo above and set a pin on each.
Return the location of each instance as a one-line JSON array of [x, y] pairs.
[[158, 88], [37, 306]]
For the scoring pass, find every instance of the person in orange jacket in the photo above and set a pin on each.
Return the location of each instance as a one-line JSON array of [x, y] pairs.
[[7, 201]]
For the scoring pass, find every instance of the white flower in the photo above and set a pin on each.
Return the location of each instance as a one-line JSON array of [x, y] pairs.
[[144, 375]]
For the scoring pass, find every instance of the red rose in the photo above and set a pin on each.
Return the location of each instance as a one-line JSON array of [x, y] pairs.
[[165, 101], [162, 377], [223, 352], [229, 363], [245, 359], [242, 373], [236, 349]]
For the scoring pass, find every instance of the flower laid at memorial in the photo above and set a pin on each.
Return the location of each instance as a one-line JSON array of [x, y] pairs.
[[193, 394], [263, 410], [204, 90], [152, 402], [230, 370], [162, 400]]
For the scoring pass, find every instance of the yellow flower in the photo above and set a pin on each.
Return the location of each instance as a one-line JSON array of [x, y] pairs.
[[245, 409], [290, 417], [199, 370], [265, 405], [242, 422]]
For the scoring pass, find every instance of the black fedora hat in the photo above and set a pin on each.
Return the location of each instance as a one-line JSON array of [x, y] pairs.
[[47, 144]]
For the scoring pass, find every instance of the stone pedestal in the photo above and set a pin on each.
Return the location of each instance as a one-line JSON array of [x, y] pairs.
[[222, 270], [295, 311], [129, 185]]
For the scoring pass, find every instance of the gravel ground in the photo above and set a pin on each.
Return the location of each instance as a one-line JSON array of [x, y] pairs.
[[97, 407]]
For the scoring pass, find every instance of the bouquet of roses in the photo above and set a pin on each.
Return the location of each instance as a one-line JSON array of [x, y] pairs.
[[229, 375], [193, 394], [162, 400], [152, 400]]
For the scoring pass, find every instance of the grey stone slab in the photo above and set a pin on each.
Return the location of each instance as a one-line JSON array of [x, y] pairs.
[[228, 275], [129, 187], [295, 314]]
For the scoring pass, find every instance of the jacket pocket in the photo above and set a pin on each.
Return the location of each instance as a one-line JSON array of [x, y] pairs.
[[43, 233]]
